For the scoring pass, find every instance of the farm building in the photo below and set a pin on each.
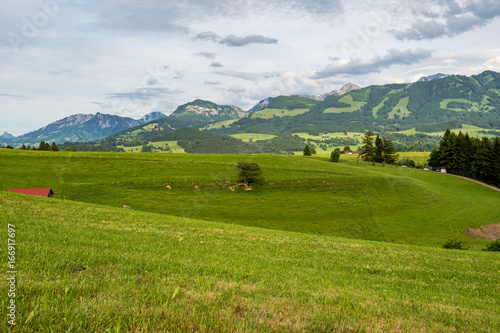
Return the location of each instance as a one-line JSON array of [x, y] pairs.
[[41, 192]]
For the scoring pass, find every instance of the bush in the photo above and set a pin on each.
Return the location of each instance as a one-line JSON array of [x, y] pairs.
[[493, 246], [455, 244], [248, 172]]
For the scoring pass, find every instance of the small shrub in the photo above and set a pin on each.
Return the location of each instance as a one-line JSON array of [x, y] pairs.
[[455, 244], [493, 246]]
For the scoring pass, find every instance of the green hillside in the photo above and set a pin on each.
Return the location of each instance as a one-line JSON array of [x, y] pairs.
[[429, 107], [90, 268], [308, 195]]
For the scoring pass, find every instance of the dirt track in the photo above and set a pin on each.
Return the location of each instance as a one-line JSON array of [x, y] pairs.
[[490, 231], [477, 181]]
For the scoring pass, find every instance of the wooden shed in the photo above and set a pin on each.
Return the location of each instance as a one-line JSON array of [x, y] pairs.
[[41, 192]]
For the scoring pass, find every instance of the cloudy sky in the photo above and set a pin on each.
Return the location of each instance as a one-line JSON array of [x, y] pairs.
[[131, 57]]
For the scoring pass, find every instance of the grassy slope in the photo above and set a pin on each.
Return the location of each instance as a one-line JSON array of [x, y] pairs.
[[354, 105], [400, 109], [254, 136], [270, 113], [473, 131], [91, 268], [307, 195]]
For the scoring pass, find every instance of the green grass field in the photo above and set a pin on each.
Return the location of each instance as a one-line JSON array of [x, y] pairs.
[[200, 254], [354, 105], [270, 113], [90, 268], [254, 136], [401, 109], [473, 106], [473, 131], [309, 195], [220, 124]]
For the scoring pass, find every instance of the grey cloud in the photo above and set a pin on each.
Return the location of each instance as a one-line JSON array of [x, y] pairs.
[[247, 76], [214, 83], [233, 40], [375, 65], [208, 36], [169, 15], [14, 96], [236, 89], [207, 55], [145, 94], [454, 19], [422, 30], [216, 64]]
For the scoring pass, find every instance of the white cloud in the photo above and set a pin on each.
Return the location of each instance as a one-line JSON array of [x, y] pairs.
[[130, 57]]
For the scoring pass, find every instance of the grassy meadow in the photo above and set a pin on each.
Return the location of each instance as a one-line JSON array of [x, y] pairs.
[[351, 199], [93, 268]]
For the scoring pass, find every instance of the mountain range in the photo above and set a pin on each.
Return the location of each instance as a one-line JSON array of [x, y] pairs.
[[80, 127], [430, 105]]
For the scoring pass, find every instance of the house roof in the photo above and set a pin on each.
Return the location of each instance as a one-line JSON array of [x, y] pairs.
[[42, 192]]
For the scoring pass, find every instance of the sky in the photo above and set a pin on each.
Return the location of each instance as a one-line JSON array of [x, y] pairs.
[[132, 57]]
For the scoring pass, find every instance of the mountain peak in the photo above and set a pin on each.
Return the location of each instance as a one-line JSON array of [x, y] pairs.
[[152, 116], [347, 87], [433, 77], [207, 108], [6, 136]]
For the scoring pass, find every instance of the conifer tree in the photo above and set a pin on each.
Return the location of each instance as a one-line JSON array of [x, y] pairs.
[[367, 149], [307, 151], [388, 154], [446, 149]]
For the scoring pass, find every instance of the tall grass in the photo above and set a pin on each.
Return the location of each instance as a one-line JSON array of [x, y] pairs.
[[91, 268]]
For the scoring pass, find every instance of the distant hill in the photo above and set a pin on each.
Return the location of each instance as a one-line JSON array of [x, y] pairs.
[[388, 108], [81, 127], [195, 114], [344, 89], [394, 110], [433, 77], [6, 136]]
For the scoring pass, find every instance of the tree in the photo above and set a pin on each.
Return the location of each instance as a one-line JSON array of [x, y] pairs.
[[53, 147], [379, 150], [23, 147], [446, 150], [70, 148], [347, 148], [367, 149], [248, 172], [313, 151], [388, 154], [307, 151], [433, 160], [335, 155], [43, 146]]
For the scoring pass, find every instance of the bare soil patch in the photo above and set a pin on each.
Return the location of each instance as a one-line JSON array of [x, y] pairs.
[[490, 232]]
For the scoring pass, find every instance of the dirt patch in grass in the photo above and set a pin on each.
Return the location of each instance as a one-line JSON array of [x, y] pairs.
[[490, 232]]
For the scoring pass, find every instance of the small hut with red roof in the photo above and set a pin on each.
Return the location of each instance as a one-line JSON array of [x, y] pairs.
[[41, 192]]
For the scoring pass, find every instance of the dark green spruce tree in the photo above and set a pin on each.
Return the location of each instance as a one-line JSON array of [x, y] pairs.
[[367, 150]]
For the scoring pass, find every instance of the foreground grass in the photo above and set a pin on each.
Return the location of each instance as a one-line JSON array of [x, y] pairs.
[[84, 267], [308, 195]]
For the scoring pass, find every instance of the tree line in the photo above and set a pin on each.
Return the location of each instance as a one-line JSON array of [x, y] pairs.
[[469, 157], [377, 149]]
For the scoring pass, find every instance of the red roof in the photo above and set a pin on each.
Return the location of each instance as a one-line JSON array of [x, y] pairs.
[[42, 192]]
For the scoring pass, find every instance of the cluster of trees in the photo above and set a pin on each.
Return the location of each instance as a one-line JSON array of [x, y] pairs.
[[45, 146], [377, 150], [308, 151], [469, 157]]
